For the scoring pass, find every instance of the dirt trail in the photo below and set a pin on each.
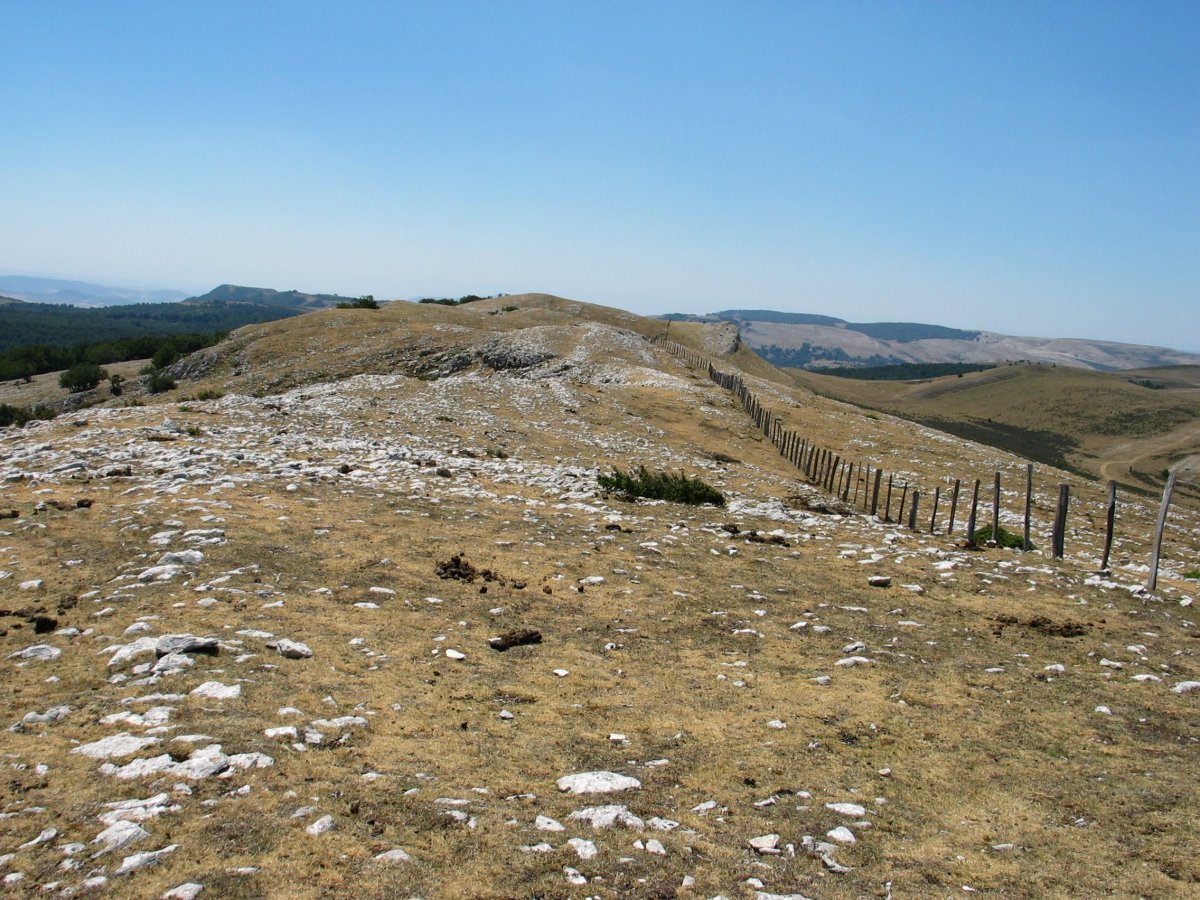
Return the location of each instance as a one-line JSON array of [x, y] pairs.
[[1121, 458]]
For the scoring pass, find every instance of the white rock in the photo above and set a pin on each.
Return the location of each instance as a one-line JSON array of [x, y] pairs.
[[395, 855], [118, 836], [1186, 687], [116, 745], [655, 846], [545, 823], [607, 817], [189, 890], [597, 783], [851, 661], [584, 849], [777, 723], [847, 809], [47, 834], [319, 827], [292, 649], [35, 584], [43, 652], [454, 654], [215, 690], [765, 843], [1104, 710], [142, 860], [53, 714], [135, 648], [842, 835]]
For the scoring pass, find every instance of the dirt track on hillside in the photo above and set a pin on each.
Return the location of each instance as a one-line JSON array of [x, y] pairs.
[[1123, 457]]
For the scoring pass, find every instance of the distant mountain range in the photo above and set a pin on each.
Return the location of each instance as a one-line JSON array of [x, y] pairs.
[[79, 293], [801, 340]]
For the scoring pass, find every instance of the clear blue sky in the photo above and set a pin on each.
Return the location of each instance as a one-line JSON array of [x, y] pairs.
[[1026, 167]]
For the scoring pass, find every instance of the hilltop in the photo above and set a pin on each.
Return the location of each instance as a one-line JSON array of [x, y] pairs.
[[248, 636], [804, 340]]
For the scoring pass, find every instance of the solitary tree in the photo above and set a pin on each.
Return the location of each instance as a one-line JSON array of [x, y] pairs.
[[82, 377]]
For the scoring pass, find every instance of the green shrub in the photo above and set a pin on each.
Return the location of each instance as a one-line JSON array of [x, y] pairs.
[[1004, 539], [82, 377], [678, 488], [158, 381], [1195, 573], [366, 301], [209, 395], [115, 383], [19, 415]]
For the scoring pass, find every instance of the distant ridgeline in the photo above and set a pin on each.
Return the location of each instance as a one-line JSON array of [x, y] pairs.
[[809, 353], [222, 309]]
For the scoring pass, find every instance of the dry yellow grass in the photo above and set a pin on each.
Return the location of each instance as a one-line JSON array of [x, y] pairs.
[[686, 648]]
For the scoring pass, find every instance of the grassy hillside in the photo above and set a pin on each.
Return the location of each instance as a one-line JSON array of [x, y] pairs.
[[394, 488], [1129, 426]]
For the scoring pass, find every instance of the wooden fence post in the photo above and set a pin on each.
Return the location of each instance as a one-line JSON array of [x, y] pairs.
[[903, 497], [996, 514], [1028, 503], [1110, 515], [849, 478], [937, 495], [971, 518], [1060, 521], [953, 505], [1152, 578], [887, 506], [875, 493], [912, 510]]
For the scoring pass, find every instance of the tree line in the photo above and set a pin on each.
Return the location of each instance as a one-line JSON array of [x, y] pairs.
[[36, 359]]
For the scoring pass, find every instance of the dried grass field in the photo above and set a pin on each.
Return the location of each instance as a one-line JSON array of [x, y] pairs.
[[392, 489]]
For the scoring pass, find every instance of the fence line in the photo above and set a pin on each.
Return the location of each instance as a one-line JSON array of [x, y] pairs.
[[822, 466]]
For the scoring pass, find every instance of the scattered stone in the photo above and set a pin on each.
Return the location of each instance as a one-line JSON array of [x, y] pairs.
[[319, 827], [847, 809], [118, 836], [583, 848], [597, 783], [767, 844], [189, 890], [215, 690], [131, 864], [289, 649], [395, 855], [115, 746], [42, 652], [880, 581], [186, 643], [607, 817]]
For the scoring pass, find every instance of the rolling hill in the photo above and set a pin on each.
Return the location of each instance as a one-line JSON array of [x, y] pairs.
[[80, 293], [812, 341], [1129, 426]]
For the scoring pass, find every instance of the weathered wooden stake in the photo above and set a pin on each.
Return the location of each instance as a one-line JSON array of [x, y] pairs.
[[875, 493], [953, 505], [849, 478], [971, 517], [937, 495], [887, 506], [1060, 521], [996, 512], [1110, 515], [903, 497], [912, 510], [1152, 578], [1028, 503]]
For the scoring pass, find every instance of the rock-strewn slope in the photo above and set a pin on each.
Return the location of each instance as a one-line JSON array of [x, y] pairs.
[[247, 647]]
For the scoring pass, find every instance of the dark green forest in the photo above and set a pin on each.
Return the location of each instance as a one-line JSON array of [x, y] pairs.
[[23, 324]]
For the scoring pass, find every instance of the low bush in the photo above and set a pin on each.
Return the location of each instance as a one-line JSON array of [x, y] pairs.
[[19, 415], [1003, 539], [678, 488]]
